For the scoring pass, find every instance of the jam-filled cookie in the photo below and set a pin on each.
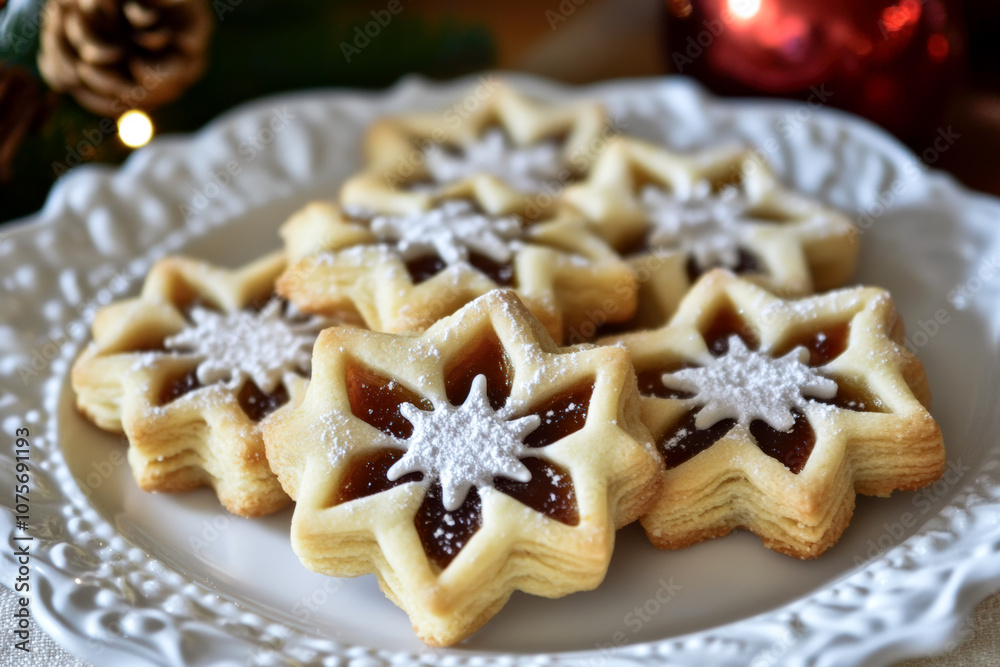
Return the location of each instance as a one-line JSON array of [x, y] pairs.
[[403, 272], [771, 414], [190, 369], [495, 143], [676, 216], [464, 463]]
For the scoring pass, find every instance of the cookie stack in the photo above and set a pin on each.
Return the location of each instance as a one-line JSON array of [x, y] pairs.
[[515, 332]]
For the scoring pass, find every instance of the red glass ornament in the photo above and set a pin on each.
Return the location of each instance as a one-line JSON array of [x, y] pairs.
[[893, 61]]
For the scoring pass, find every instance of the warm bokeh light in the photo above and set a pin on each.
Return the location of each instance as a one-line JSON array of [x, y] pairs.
[[904, 14], [135, 128], [938, 47], [744, 9]]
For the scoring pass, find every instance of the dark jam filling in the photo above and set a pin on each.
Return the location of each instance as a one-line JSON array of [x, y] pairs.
[[746, 263], [178, 386], [686, 440], [651, 381], [256, 404], [561, 415], [643, 178], [366, 475], [375, 400], [484, 357], [824, 346], [793, 447], [851, 396], [767, 215], [634, 246], [257, 304], [254, 305], [614, 328], [726, 323], [425, 268], [550, 491], [148, 343], [724, 181], [444, 533]]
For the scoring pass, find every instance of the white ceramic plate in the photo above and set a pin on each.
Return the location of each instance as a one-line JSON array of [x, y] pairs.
[[127, 578]]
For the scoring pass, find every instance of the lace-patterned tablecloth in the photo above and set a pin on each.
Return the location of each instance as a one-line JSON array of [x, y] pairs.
[[977, 643]]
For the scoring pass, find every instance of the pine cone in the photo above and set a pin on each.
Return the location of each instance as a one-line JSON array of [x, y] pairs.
[[24, 107], [113, 56]]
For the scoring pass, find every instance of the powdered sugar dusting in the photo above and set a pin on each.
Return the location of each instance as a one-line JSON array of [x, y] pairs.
[[746, 385], [464, 446], [261, 346], [526, 168], [706, 226], [451, 230], [338, 431]]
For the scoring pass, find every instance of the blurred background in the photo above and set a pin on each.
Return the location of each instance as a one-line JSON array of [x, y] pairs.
[[87, 81]]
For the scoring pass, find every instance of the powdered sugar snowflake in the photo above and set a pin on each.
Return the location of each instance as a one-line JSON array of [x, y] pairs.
[[451, 230], [746, 385], [464, 446], [261, 346], [708, 227], [526, 168]]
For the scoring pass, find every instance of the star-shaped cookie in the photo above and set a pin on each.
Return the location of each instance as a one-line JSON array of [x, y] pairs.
[[403, 272], [464, 463], [494, 143], [770, 414], [189, 370], [675, 216]]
